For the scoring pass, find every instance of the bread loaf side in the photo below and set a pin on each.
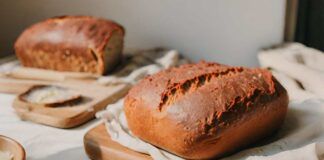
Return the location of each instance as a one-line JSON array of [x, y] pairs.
[[71, 43]]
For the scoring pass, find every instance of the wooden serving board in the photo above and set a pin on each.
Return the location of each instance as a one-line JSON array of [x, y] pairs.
[[95, 98], [99, 146]]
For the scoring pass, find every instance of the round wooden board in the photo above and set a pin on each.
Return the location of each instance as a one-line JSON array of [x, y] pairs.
[[13, 147]]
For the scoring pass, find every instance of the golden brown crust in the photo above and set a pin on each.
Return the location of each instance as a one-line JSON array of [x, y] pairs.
[[67, 43], [196, 111]]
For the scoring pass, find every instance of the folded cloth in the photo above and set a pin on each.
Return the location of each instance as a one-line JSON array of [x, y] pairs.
[[301, 136], [143, 64], [294, 64]]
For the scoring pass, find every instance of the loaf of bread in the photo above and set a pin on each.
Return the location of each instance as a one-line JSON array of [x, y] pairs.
[[71, 43], [205, 110]]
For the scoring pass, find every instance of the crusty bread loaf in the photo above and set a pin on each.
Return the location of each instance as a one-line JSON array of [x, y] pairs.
[[71, 43], [205, 110]]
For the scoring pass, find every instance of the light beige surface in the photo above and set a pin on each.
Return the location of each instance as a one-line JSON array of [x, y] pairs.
[[42, 142]]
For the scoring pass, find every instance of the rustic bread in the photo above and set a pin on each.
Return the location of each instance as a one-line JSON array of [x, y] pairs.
[[205, 110], [71, 43]]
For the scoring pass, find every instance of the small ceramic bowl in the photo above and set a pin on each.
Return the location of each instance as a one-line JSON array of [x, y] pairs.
[[13, 147]]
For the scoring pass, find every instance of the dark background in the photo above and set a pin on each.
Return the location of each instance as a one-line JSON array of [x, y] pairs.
[[310, 23]]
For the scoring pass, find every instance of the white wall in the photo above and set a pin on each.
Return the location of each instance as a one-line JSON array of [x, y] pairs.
[[227, 31]]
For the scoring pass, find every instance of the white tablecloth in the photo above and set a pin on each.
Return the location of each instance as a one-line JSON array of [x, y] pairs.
[[42, 142]]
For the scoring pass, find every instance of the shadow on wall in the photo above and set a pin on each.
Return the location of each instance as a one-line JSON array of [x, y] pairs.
[[226, 31]]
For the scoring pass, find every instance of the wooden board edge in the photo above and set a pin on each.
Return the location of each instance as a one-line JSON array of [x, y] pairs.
[[99, 146]]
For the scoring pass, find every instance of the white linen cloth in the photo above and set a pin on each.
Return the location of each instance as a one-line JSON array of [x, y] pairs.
[[295, 62], [302, 135], [136, 72]]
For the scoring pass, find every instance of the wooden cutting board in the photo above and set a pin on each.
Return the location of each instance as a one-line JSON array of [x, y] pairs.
[[99, 146], [95, 98]]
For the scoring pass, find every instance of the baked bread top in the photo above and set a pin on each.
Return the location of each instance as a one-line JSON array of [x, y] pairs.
[[231, 85]]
